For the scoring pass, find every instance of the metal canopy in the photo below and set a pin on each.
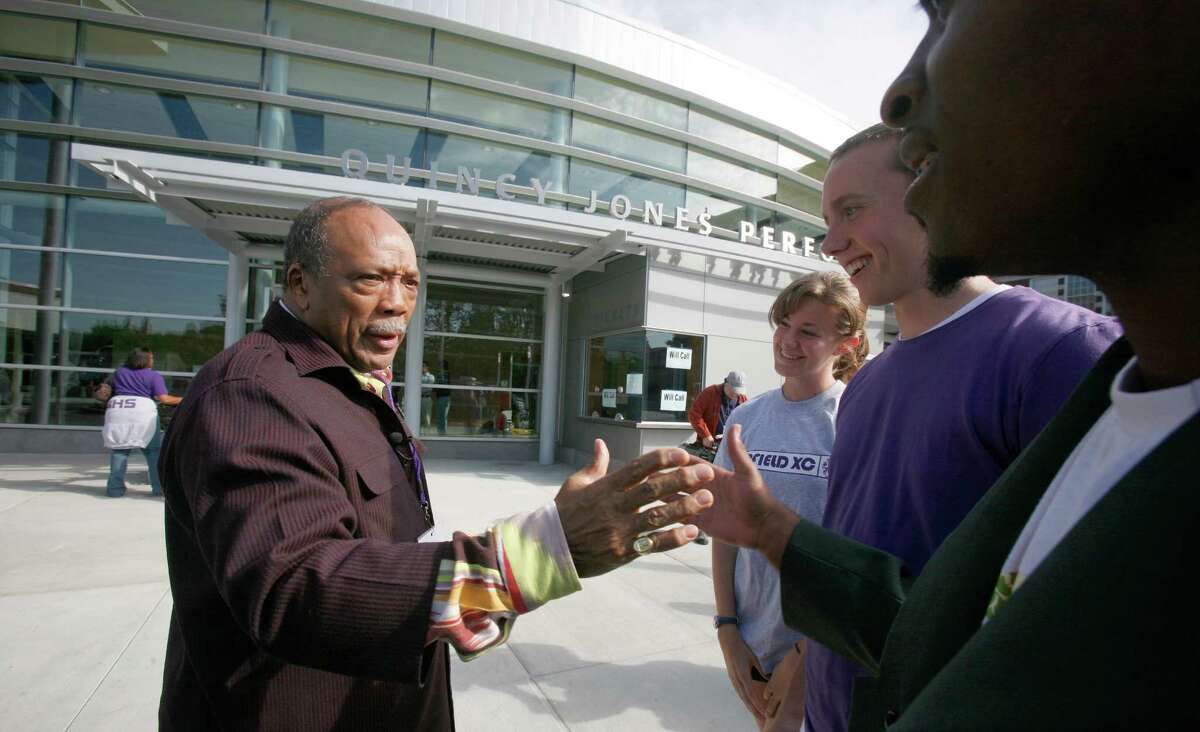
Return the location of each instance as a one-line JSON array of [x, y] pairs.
[[247, 209]]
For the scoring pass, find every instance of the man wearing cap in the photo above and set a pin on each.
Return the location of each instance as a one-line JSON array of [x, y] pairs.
[[713, 405]]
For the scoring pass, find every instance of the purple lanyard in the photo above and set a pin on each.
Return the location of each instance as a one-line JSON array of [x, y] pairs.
[[418, 473]]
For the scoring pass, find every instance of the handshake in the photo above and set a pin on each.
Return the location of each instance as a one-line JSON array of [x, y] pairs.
[[607, 524]]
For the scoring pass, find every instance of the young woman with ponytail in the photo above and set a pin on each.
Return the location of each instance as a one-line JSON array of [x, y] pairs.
[[818, 345]]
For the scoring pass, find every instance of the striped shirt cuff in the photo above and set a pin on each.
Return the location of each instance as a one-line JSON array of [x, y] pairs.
[[535, 558], [520, 564]]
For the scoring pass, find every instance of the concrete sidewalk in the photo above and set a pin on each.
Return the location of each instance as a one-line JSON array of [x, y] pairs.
[[85, 605]]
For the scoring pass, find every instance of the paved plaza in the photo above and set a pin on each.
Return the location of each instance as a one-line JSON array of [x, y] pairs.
[[85, 605]]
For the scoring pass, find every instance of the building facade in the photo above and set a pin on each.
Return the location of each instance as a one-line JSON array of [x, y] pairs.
[[603, 211]]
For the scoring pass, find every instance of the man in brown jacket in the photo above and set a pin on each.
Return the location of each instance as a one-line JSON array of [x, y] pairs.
[[308, 594]]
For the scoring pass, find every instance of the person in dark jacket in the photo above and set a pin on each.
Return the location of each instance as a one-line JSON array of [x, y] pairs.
[[311, 588], [1059, 602]]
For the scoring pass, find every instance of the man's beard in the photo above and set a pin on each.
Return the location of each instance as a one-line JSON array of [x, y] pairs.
[[947, 273]]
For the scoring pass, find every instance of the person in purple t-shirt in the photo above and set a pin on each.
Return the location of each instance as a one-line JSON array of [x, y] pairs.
[[136, 378], [927, 426]]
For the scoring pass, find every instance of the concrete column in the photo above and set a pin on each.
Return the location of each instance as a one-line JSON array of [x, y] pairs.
[[235, 297], [49, 321], [414, 350], [548, 405], [274, 119]]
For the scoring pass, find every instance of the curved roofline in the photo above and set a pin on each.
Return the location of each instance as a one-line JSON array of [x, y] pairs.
[[618, 45], [710, 51]]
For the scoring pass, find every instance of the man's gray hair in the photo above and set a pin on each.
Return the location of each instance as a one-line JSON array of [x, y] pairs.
[[307, 242]]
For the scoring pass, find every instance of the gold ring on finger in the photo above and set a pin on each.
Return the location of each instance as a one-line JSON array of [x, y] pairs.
[[642, 545]]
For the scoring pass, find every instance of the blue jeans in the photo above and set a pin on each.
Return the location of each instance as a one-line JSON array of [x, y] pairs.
[[120, 458], [442, 413]]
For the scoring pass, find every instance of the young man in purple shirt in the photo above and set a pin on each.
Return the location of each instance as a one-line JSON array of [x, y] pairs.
[[927, 426]]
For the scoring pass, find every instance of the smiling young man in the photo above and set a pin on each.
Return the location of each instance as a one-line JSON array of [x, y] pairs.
[[927, 426], [1050, 137], [308, 591]]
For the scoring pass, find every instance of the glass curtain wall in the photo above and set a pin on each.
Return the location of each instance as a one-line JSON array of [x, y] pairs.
[[87, 272], [483, 354], [85, 280], [166, 113]]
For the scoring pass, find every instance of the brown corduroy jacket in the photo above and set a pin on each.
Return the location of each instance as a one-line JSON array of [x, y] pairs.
[[297, 603]]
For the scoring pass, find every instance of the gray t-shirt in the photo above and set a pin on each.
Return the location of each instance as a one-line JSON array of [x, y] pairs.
[[790, 442]]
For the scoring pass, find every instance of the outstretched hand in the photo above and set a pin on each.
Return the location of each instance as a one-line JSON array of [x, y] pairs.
[[601, 515], [745, 513]]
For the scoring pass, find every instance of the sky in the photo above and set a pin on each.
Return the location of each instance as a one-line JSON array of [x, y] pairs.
[[843, 53]]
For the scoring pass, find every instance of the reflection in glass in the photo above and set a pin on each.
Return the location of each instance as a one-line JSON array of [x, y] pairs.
[[69, 400], [19, 333], [475, 361], [320, 79], [316, 133], [816, 170], [662, 376], [157, 53], [801, 229], [797, 160], [729, 174], [798, 196], [25, 157], [123, 283], [23, 217], [609, 182], [620, 96], [480, 413], [727, 214], [243, 15], [495, 159], [81, 176], [398, 366], [25, 36], [624, 142], [326, 26], [471, 106], [463, 309], [167, 113], [134, 227], [612, 360], [32, 277], [20, 273], [264, 284], [103, 341], [628, 373], [33, 98], [463, 400], [490, 61], [720, 130]]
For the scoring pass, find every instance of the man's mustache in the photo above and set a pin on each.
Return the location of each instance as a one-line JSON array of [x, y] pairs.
[[389, 327]]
